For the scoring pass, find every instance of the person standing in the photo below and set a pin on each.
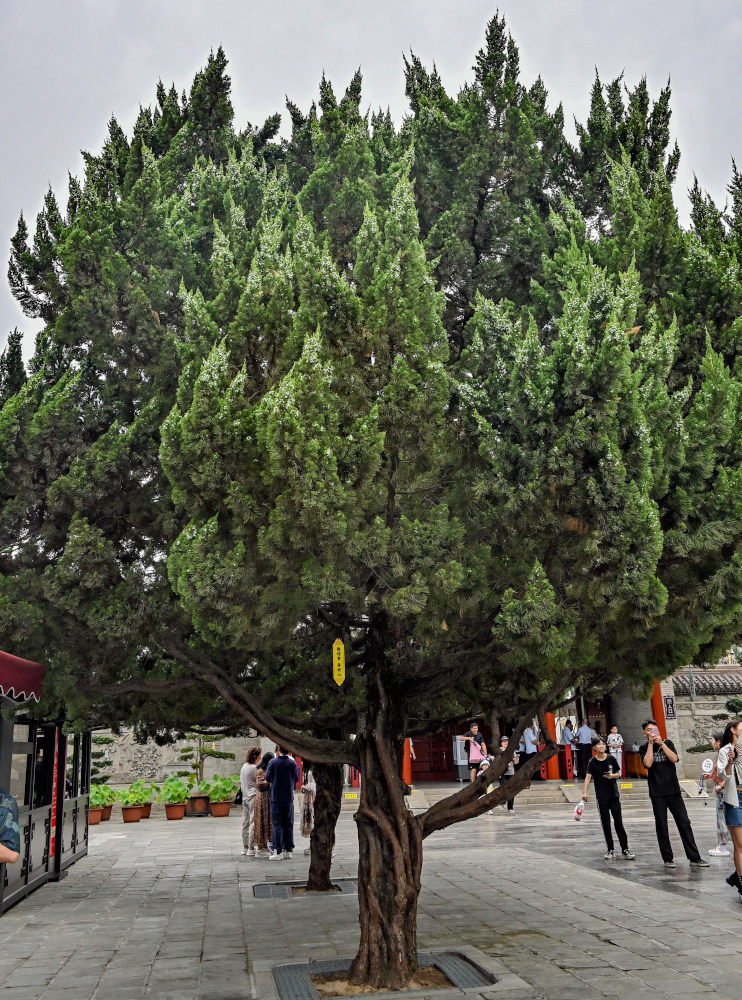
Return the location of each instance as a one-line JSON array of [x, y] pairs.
[[248, 787], [584, 748], [530, 744], [615, 747], [509, 772], [282, 775], [729, 766], [262, 812], [722, 831], [475, 753], [10, 831], [660, 757], [604, 769]]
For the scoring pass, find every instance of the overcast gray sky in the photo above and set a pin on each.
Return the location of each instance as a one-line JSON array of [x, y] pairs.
[[67, 67]]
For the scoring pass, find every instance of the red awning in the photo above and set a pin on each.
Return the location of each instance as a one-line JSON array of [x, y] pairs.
[[20, 679]]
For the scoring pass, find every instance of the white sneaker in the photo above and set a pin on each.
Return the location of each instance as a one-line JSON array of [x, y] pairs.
[[609, 854], [288, 855], [245, 851], [262, 854], [308, 850], [720, 852], [276, 856]]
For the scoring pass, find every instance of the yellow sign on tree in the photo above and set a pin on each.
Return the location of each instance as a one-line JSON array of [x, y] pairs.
[[338, 661]]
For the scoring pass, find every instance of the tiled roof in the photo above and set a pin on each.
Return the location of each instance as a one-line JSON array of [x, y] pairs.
[[716, 681]]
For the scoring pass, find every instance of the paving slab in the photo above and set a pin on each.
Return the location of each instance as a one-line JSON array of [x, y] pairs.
[[162, 909]]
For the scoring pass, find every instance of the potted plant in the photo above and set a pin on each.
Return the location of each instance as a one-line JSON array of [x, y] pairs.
[[222, 789], [144, 791], [108, 797], [131, 803], [95, 805], [174, 794]]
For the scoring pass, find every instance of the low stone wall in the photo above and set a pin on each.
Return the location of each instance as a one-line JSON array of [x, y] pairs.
[[125, 760]]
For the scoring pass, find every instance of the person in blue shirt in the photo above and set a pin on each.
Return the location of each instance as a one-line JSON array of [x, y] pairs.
[[584, 748], [282, 775], [10, 831]]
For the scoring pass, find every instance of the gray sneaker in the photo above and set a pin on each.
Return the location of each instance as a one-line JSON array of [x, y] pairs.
[[628, 856], [669, 864], [701, 863]]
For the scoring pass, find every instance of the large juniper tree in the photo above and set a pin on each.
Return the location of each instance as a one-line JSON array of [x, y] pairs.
[[290, 394]]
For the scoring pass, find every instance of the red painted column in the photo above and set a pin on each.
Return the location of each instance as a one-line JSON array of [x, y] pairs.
[[407, 764], [552, 764], [658, 709]]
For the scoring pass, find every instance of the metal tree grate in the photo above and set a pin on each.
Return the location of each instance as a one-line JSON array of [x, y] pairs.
[[283, 890], [293, 981]]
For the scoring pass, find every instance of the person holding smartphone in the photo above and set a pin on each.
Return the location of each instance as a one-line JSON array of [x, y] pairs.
[[604, 769], [660, 757], [729, 767]]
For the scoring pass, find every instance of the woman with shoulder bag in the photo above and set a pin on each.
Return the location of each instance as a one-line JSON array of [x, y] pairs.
[[729, 767]]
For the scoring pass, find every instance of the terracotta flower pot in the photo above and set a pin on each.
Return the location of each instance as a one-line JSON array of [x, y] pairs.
[[131, 814], [107, 810], [94, 815], [175, 810], [220, 808], [146, 810]]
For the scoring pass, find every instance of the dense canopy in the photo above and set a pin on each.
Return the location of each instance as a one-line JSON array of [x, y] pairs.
[[459, 392]]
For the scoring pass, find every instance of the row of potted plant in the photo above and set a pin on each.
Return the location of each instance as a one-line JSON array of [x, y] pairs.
[[209, 797]]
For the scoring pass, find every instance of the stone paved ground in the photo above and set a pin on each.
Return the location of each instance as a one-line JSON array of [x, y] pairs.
[[161, 910]]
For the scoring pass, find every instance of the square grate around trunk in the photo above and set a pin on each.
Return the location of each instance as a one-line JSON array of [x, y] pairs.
[[283, 890], [293, 981]]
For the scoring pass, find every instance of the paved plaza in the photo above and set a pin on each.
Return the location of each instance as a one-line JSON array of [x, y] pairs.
[[166, 910]]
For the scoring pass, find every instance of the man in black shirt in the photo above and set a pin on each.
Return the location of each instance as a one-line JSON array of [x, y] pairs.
[[474, 736], [604, 769], [660, 757]]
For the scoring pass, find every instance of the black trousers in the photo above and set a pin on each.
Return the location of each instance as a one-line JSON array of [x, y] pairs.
[[613, 808], [584, 753], [503, 779], [662, 804], [282, 821]]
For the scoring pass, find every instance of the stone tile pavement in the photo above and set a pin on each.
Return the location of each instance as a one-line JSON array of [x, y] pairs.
[[164, 910]]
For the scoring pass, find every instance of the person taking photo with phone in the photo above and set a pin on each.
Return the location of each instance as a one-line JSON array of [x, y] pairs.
[[660, 757]]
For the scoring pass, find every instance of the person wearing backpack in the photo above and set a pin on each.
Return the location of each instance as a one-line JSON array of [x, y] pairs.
[[476, 749]]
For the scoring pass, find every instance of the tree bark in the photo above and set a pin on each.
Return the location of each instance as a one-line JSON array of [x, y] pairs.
[[390, 858], [327, 802]]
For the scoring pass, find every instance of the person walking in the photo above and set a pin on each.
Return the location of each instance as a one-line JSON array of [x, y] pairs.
[[262, 808], [604, 769], [729, 766], [509, 772], [584, 748], [660, 757], [568, 740], [248, 787], [282, 775], [476, 748]]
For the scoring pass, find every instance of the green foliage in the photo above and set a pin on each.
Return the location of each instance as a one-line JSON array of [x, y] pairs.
[[203, 748], [221, 788], [173, 791], [734, 706]]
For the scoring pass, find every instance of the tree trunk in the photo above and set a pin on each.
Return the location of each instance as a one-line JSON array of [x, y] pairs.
[[390, 860], [329, 779]]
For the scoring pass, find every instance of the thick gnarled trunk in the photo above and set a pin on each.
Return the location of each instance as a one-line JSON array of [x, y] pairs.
[[390, 860], [329, 780]]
